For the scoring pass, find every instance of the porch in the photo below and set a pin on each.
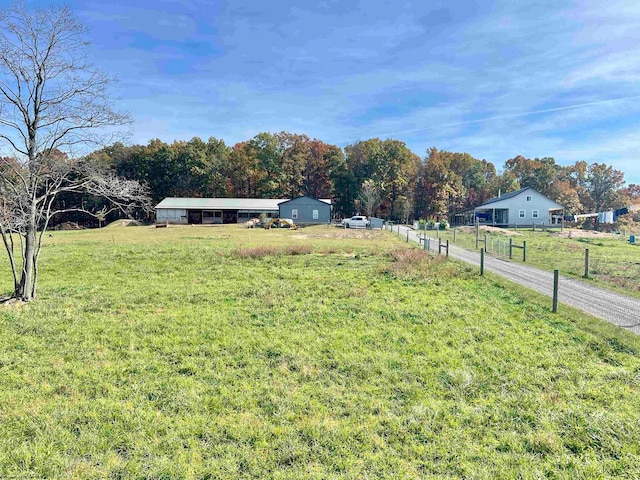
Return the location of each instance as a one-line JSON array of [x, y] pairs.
[[497, 217]]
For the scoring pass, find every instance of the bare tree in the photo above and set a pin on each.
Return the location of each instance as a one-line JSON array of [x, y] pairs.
[[370, 197], [51, 100]]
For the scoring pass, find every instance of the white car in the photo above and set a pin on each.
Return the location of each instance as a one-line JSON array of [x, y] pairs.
[[358, 221]]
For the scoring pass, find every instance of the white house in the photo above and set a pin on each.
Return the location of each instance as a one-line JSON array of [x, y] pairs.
[[524, 207]]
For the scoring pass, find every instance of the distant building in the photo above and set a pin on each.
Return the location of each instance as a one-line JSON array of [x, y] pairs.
[[215, 210], [524, 207], [306, 210], [209, 211]]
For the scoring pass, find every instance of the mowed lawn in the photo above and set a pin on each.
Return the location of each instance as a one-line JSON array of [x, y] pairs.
[[224, 352]]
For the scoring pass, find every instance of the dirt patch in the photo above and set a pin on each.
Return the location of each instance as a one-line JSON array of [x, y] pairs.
[[337, 232], [125, 223], [577, 233], [488, 229], [69, 226], [10, 302]]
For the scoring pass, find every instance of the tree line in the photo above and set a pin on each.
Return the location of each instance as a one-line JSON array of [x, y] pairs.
[[374, 176]]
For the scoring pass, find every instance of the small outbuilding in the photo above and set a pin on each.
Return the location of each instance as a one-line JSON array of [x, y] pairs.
[[522, 208], [306, 210]]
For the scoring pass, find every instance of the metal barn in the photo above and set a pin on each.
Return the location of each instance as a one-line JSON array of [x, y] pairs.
[[209, 211]]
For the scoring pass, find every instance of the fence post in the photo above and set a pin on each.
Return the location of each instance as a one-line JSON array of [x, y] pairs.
[[454, 235], [447, 248], [524, 251], [485, 243], [439, 245], [425, 243], [482, 261], [510, 248], [534, 226], [407, 235], [586, 263], [477, 231], [555, 291], [428, 244]]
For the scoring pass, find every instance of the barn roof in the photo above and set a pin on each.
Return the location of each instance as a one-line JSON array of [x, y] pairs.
[[221, 203], [321, 200]]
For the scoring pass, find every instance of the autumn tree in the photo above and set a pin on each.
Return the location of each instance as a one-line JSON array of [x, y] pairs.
[[389, 164], [433, 186], [603, 184], [370, 197], [538, 173], [51, 101]]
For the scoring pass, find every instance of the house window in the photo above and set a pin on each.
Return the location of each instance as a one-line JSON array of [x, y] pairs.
[[535, 213], [294, 213], [522, 214], [529, 198], [315, 214]]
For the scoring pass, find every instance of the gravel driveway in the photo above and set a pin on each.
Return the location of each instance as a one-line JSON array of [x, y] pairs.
[[613, 307]]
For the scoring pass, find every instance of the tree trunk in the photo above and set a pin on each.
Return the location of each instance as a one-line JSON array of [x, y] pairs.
[[8, 243], [26, 288]]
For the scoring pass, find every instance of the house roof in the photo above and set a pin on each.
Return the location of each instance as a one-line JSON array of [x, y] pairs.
[[221, 203], [513, 194], [323, 200], [506, 196]]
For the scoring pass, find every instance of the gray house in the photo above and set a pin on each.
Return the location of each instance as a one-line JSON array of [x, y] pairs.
[[306, 210], [524, 207]]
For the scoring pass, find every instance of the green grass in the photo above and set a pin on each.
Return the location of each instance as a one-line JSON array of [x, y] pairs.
[[233, 353], [614, 262]]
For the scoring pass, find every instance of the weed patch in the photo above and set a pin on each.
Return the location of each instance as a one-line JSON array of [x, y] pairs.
[[414, 264], [272, 251]]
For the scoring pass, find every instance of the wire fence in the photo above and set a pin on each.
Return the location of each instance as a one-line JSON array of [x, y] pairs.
[[584, 259]]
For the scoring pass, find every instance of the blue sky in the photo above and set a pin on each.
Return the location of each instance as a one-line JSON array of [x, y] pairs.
[[492, 78]]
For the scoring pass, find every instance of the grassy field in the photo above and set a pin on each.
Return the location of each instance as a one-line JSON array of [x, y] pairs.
[[221, 352], [614, 262]]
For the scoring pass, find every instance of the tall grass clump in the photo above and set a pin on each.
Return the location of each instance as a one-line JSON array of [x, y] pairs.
[[414, 264], [273, 251]]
